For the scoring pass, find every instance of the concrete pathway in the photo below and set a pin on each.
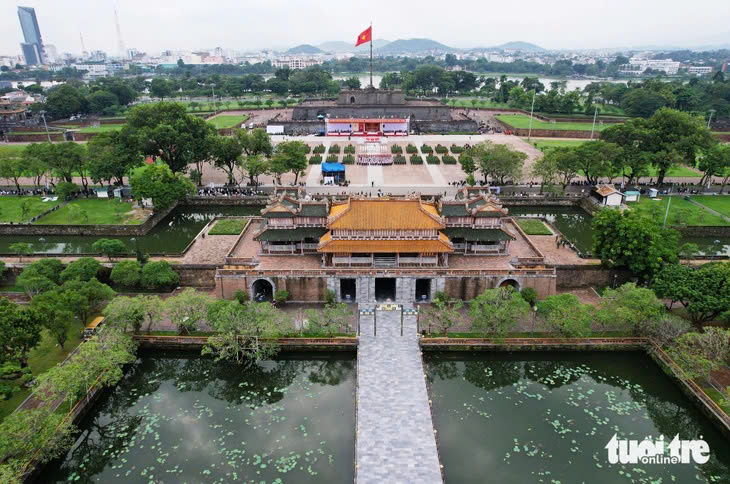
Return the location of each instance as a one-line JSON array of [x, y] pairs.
[[436, 175], [395, 436], [314, 175], [375, 174]]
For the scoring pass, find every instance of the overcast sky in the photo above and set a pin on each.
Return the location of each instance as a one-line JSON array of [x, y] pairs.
[[154, 25]]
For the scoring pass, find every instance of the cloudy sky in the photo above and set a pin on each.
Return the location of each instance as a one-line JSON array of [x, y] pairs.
[[154, 25]]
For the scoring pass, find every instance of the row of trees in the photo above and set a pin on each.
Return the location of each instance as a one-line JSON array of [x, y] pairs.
[[499, 162]]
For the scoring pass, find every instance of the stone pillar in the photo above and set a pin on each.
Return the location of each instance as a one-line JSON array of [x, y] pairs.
[[333, 285], [438, 284]]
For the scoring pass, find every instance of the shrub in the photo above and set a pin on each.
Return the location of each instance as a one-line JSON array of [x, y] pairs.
[[529, 295], [457, 149], [470, 180], [448, 160], [241, 296], [426, 150], [82, 269], [411, 149], [159, 274], [126, 273], [399, 160], [318, 150], [330, 298], [332, 158], [348, 160], [307, 149], [281, 296], [441, 149], [416, 160], [315, 160], [109, 247], [464, 158], [396, 149], [349, 149], [334, 149], [67, 190], [432, 160]]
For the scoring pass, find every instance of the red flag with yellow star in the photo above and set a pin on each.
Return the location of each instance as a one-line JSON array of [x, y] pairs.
[[365, 36]]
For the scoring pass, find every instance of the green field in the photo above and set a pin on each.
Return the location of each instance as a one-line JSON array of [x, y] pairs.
[[681, 211], [719, 203], [545, 144], [10, 208], [95, 211], [533, 226], [229, 226], [104, 128], [522, 121], [224, 121], [12, 150], [41, 358]]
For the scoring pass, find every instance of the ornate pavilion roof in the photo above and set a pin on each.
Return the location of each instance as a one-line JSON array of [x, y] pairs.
[[384, 214]]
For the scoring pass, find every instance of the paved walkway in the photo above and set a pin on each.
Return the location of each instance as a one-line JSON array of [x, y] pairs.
[[395, 435]]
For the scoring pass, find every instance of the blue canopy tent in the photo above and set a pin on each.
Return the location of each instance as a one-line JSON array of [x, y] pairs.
[[334, 170]]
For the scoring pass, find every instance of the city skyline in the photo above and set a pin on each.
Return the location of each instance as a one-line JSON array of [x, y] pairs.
[[188, 25]]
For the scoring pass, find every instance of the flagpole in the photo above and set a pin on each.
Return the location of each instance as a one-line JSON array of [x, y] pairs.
[[371, 54]]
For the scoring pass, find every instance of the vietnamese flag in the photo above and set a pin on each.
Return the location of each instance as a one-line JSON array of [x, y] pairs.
[[365, 36]]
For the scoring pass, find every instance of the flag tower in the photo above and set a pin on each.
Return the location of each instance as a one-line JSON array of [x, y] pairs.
[[365, 36]]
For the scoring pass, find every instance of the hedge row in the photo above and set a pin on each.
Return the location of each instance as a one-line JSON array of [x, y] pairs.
[[319, 149], [315, 160], [426, 150], [399, 160], [350, 150], [411, 149], [396, 149], [348, 160], [448, 160], [416, 160], [432, 160]]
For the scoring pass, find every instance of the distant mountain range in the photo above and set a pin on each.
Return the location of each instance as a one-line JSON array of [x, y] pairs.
[[402, 46]]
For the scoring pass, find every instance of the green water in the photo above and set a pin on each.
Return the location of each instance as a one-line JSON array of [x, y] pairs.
[[573, 222], [170, 236], [177, 418], [546, 417]]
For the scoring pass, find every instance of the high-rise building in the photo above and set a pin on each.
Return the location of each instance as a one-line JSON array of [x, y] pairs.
[[33, 46]]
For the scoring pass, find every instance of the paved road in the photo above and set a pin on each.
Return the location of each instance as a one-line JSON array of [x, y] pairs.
[[395, 436]]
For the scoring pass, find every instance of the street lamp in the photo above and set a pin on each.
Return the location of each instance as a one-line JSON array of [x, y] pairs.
[[595, 115], [215, 111], [709, 120], [532, 110], [43, 115]]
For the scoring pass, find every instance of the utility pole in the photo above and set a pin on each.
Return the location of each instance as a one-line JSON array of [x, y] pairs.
[[215, 110], [666, 213], [371, 54], [532, 110], [712, 111], [43, 115], [595, 115]]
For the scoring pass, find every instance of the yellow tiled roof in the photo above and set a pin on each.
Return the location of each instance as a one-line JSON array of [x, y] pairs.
[[431, 246], [384, 214]]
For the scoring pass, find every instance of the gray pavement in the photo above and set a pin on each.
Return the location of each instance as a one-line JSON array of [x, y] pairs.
[[395, 436]]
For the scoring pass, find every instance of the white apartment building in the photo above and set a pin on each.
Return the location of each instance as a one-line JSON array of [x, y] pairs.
[[638, 66], [295, 62], [94, 70], [700, 70]]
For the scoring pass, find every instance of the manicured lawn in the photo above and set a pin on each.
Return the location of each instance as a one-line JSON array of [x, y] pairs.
[[229, 226], [534, 227], [10, 208], [104, 128], [719, 203], [543, 145], [11, 150], [227, 121], [681, 211], [95, 211], [41, 358], [522, 121]]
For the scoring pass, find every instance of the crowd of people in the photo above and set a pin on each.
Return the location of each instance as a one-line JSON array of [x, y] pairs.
[[230, 192], [380, 159]]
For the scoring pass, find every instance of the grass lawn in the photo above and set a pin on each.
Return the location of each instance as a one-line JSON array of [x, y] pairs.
[[481, 103], [104, 128], [10, 210], [680, 211], [543, 145], [98, 211], [719, 203], [227, 121], [523, 122], [229, 226], [11, 150], [533, 226], [41, 358]]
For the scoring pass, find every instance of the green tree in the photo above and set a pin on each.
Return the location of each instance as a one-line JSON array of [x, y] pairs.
[[12, 169], [158, 274], [64, 159], [715, 162], [500, 162], [497, 311], [467, 164], [633, 139], [226, 154], [698, 354], [633, 241], [244, 331], [565, 314], [331, 320], [255, 166], [109, 247], [703, 291], [20, 332], [443, 313], [160, 184], [168, 131], [82, 269], [290, 156], [57, 309], [599, 159], [188, 309], [103, 102], [64, 101], [160, 88], [629, 308], [20, 249], [111, 157], [126, 273], [125, 313], [87, 297]]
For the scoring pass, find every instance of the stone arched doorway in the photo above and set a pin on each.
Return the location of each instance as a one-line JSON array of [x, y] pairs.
[[352, 99], [262, 290], [509, 283]]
